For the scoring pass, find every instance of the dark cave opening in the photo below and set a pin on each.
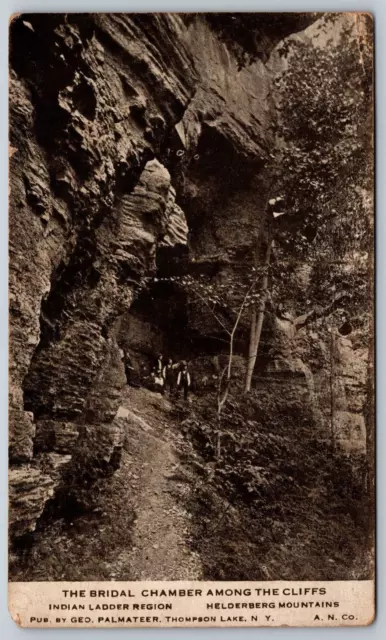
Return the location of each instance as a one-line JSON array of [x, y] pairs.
[[166, 307], [84, 99]]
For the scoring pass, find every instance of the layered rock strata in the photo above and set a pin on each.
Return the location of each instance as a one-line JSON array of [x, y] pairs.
[[105, 112]]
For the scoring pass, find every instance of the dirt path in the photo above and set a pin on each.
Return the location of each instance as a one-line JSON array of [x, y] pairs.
[[158, 487], [139, 529]]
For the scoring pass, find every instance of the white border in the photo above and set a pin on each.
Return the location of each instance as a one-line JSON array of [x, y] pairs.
[[378, 8]]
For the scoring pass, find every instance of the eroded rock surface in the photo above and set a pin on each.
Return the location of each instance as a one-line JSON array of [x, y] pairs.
[[91, 99], [134, 134]]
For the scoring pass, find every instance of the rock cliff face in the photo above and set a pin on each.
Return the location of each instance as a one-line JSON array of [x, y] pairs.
[[327, 374], [131, 136]]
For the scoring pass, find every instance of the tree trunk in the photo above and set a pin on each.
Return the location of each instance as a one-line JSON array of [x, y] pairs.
[[257, 320]]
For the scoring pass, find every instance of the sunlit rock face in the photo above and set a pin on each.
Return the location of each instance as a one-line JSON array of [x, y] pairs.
[[131, 135]]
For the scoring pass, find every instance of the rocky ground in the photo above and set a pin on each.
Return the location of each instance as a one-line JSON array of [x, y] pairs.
[[159, 484], [277, 504], [139, 529]]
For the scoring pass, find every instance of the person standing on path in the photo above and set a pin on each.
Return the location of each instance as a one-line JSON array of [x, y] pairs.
[[184, 380], [159, 364], [169, 376], [132, 377]]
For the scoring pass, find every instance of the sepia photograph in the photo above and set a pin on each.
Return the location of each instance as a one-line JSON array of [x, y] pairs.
[[191, 291]]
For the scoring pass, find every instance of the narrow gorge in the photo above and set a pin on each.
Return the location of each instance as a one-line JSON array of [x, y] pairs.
[[141, 161]]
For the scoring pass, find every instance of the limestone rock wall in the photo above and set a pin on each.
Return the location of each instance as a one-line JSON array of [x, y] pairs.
[[323, 371], [119, 128], [90, 100]]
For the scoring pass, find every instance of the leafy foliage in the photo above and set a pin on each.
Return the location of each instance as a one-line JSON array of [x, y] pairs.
[[324, 165], [280, 504]]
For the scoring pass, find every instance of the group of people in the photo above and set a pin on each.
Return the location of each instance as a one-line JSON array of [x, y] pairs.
[[170, 377], [166, 377]]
